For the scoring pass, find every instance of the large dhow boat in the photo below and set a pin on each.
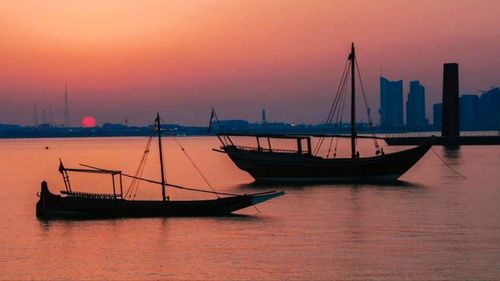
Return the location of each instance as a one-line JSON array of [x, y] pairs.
[[73, 204], [305, 163]]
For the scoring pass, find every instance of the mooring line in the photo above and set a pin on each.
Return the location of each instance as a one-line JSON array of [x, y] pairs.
[[447, 165]]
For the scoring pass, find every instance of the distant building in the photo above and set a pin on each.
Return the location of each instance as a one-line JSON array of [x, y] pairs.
[[489, 110], [450, 117], [415, 106], [469, 112], [264, 119], [475, 112], [391, 103], [437, 113]]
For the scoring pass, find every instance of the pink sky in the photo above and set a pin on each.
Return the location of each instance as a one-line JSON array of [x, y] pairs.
[[133, 58]]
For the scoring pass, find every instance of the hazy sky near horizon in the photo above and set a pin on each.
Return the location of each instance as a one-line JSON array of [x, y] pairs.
[[129, 58]]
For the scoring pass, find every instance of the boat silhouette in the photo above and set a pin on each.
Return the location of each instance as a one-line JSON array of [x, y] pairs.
[[303, 164], [73, 204]]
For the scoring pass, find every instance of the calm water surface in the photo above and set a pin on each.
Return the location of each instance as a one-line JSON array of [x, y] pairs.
[[432, 225]]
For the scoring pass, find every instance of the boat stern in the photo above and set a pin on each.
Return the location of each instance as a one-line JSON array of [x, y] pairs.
[[41, 204], [46, 201]]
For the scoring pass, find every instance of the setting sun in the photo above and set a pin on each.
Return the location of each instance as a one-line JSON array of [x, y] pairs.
[[88, 122]]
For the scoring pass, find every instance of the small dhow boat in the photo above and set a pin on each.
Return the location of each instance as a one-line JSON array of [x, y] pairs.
[[304, 164], [72, 204]]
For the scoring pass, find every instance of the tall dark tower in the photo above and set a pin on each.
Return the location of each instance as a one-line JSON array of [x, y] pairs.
[[66, 110], [264, 118], [450, 117]]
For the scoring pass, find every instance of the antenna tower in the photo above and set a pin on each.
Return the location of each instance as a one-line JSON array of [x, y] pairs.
[[50, 114], [35, 115], [66, 110]]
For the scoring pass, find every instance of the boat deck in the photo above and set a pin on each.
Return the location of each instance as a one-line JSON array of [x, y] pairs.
[[90, 195]]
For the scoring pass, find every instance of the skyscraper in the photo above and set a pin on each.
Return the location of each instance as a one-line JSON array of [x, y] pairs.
[[489, 112], [391, 103], [469, 112], [415, 106], [476, 112]]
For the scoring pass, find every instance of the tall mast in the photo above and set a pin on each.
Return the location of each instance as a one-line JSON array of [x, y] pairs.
[[161, 157], [352, 58]]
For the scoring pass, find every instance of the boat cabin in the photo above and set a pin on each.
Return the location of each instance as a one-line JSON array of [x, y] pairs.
[[264, 142]]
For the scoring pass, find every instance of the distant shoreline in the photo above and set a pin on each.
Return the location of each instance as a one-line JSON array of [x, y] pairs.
[[9, 131], [384, 134]]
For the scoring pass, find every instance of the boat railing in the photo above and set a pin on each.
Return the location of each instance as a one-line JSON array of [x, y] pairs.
[[262, 149], [90, 195]]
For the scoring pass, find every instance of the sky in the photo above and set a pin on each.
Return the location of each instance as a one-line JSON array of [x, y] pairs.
[[130, 58]]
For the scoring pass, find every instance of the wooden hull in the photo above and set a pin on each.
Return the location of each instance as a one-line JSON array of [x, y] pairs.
[[293, 167], [56, 206]]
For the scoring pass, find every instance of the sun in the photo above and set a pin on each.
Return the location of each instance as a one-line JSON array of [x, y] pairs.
[[88, 122]]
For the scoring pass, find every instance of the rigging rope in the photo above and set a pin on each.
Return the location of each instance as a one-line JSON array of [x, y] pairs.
[[330, 147], [196, 167], [201, 174], [331, 114], [134, 185], [137, 177], [339, 93], [340, 122], [447, 165], [370, 123], [174, 185], [339, 99], [183, 187]]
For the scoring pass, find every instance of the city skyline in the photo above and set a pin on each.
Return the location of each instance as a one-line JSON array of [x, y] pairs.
[[411, 115], [406, 112], [476, 112], [130, 60]]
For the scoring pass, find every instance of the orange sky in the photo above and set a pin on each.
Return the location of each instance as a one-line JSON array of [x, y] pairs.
[[133, 58]]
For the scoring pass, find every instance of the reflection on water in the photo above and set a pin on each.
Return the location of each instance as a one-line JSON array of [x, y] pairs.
[[45, 225], [452, 153], [301, 186], [432, 224]]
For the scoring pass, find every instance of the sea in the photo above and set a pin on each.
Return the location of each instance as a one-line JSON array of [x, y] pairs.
[[440, 221]]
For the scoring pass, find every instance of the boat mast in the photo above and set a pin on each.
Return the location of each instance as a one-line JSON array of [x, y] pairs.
[[161, 157], [352, 58]]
